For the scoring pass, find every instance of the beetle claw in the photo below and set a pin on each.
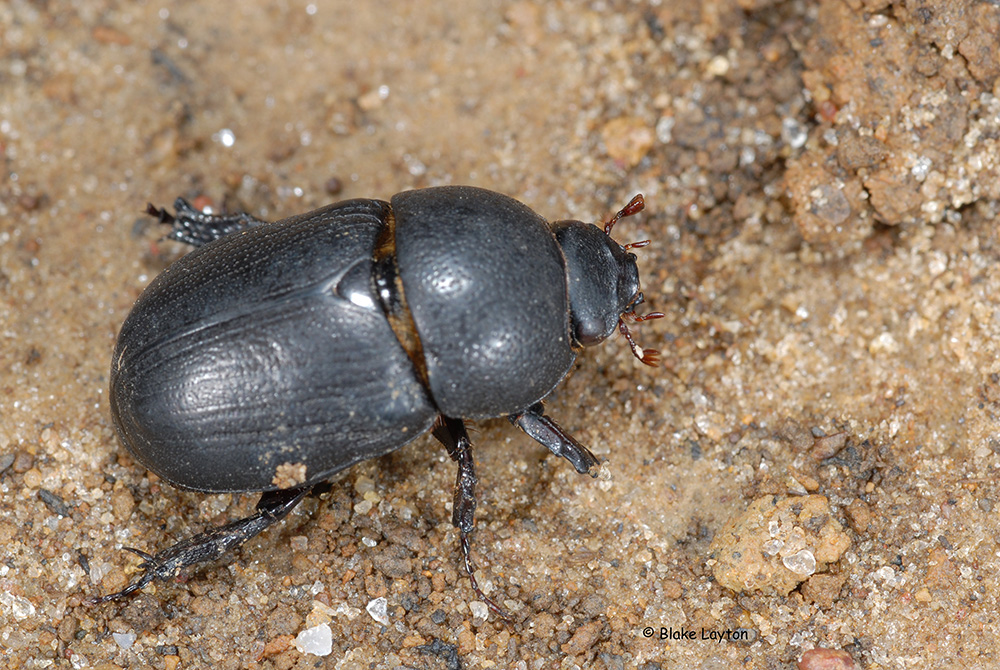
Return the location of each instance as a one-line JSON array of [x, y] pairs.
[[160, 213], [148, 559], [149, 575]]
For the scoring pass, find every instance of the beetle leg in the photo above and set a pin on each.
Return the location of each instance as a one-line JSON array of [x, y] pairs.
[[452, 434], [272, 507], [549, 434], [194, 227]]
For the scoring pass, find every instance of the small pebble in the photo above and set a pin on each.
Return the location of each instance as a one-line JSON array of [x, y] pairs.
[[377, 608], [801, 562], [479, 609], [23, 461], [826, 659], [55, 504], [334, 186], [317, 640], [124, 640], [827, 445]]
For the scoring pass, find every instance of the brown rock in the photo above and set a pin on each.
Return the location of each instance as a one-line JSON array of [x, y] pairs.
[[822, 589], [856, 151], [859, 515], [826, 659], [628, 139], [583, 639]]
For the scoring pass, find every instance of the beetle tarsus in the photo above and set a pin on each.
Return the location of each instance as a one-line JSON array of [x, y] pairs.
[[194, 227], [550, 435], [272, 507], [470, 568], [452, 434]]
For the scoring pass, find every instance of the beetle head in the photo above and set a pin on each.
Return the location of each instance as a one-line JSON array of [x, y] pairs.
[[603, 281]]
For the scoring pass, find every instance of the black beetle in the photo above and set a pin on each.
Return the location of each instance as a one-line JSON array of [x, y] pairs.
[[277, 354]]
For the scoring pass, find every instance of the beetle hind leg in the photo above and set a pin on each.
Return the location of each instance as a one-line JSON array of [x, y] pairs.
[[194, 227], [272, 507], [549, 434], [452, 434]]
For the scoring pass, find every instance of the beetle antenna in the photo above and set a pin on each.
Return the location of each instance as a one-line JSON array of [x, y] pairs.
[[650, 357], [634, 206], [636, 245], [638, 318]]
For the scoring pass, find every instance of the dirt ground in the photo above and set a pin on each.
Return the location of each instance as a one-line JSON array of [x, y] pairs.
[[813, 466]]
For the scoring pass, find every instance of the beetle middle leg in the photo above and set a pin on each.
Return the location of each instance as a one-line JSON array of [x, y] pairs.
[[549, 434], [452, 434], [194, 227], [272, 507]]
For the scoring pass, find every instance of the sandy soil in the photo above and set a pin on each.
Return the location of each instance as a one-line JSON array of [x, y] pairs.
[[814, 466]]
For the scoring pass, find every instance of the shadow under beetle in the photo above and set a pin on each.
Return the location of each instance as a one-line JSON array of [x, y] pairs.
[[277, 354]]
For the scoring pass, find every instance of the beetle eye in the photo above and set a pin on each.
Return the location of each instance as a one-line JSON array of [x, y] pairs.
[[636, 301]]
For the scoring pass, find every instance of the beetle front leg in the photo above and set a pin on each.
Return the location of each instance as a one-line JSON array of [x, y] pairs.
[[194, 227], [272, 507], [549, 434], [452, 434]]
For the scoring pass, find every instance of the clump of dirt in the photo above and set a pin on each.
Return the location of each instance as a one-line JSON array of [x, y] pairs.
[[906, 105], [778, 543]]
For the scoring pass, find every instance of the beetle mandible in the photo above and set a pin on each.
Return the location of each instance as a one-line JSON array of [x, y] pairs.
[[275, 355]]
